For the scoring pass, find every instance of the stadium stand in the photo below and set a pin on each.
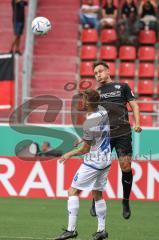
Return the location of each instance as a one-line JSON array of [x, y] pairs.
[[146, 53], [108, 36], [146, 70], [136, 65], [146, 104], [55, 64], [146, 120], [6, 38], [130, 82], [108, 53], [126, 69], [86, 69], [89, 36], [146, 87], [88, 52], [70, 51], [147, 37], [127, 53]]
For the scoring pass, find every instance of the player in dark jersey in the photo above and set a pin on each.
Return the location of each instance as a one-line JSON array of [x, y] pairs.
[[114, 97]]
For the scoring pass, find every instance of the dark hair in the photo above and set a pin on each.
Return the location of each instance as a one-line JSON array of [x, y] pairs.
[[97, 63], [92, 96]]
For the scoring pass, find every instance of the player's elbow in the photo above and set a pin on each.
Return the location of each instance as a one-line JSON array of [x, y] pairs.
[[134, 106], [86, 149]]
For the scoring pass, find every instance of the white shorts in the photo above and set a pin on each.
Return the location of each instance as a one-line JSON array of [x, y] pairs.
[[88, 178]]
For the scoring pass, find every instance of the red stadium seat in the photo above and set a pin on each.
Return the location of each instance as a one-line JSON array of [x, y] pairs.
[[89, 36], [115, 2], [146, 87], [108, 36], [126, 69], [127, 53], [86, 69], [145, 105], [146, 120], [146, 53], [131, 83], [147, 37], [95, 2], [146, 70], [123, 1], [108, 53], [88, 52], [112, 68]]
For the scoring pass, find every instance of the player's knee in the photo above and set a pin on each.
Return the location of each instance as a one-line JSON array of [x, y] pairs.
[[125, 163], [97, 195], [73, 192], [125, 167]]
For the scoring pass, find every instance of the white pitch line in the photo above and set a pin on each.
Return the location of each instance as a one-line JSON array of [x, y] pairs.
[[31, 238], [35, 238]]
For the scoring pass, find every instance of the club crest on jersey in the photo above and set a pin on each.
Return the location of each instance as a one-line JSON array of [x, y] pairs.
[[132, 93], [117, 86]]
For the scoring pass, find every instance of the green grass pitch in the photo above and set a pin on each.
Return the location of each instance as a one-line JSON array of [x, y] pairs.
[[42, 219]]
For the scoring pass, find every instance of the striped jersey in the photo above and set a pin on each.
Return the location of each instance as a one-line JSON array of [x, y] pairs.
[[97, 130]]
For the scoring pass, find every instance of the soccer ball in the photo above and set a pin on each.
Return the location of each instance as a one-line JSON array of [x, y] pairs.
[[40, 26]]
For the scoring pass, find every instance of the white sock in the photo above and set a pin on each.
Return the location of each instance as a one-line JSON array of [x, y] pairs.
[[73, 207], [101, 209]]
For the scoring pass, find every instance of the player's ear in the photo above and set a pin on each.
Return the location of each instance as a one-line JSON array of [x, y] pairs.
[[108, 71]]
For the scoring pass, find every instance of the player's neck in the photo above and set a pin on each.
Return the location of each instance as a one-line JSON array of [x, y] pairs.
[[108, 80], [91, 110]]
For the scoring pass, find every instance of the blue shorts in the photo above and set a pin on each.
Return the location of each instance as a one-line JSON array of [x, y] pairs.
[[18, 28]]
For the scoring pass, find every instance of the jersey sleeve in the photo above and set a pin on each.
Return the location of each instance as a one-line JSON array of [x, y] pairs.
[[129, 95], [87, 133]]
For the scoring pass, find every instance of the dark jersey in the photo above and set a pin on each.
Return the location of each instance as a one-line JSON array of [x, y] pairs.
[[114, 98], [127, 9], [148, 10], [110, 10], [18, 11]]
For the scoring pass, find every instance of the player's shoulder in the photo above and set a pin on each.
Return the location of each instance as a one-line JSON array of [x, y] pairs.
[[95, 117], [116, 85], [121, 85], [101, 110]]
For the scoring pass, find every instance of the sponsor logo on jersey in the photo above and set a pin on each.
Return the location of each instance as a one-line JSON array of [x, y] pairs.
[[117, 86], [132, 93], [111, 94]]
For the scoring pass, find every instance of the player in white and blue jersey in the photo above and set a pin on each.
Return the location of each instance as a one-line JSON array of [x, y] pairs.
[[93, 172]]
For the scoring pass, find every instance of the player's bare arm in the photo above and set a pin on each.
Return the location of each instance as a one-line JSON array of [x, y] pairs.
[[85, 148], [135, 108], [76, 143]]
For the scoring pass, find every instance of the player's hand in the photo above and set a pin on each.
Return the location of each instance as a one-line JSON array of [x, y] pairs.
[[64, 158], [137, 128]]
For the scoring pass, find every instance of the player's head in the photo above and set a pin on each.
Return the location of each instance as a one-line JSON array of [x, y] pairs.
[[90, 2], [45, 146], [91, 99], [101, 72]]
